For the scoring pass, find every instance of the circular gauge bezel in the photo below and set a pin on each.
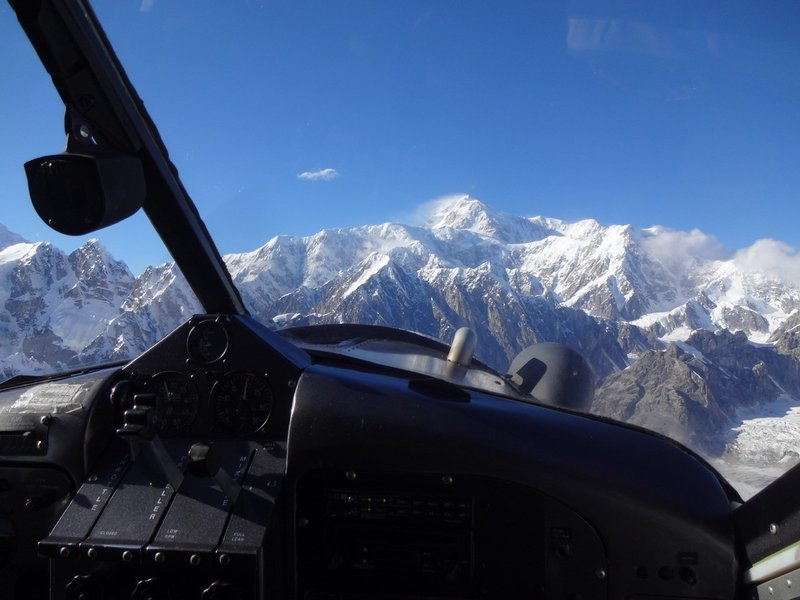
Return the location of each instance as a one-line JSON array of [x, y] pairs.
[[207, 342], [169, 426], [242, 424]]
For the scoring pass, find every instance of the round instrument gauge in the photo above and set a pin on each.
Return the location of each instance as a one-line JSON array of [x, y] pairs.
[[207, 342], [176, 402], [242, 402]]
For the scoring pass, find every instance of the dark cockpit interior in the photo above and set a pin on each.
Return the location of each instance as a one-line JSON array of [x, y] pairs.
[[230, 461]]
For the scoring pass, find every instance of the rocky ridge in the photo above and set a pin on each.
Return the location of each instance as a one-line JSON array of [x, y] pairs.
[[681, 333]]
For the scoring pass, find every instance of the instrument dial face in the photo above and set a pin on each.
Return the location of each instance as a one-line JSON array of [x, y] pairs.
[[207, 342], [242, 402], [176, 402]]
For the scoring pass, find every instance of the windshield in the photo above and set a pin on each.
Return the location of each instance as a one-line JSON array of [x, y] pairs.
[[619, 178], [68, 302]]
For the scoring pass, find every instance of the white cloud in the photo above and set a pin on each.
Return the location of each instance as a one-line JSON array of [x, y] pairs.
[[772, 258], [619, 35], [146, 5], [677, 249], [321, 175], [431, 210]]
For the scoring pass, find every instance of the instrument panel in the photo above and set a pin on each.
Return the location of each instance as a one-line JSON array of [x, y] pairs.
[[176, 402], [207, 341], [240, 402], [391, 489], [213, 377]]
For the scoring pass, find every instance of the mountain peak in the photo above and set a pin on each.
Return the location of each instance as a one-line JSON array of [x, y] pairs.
[[460, 211], [467, 213]]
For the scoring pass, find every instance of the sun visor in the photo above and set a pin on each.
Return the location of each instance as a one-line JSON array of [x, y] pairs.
[[76, 194]]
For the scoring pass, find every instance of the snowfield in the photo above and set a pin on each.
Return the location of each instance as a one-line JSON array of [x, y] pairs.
[[764, 446]]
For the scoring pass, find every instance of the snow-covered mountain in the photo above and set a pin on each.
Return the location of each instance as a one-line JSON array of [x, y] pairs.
[[63, 310], [469, 264], [650, 309]]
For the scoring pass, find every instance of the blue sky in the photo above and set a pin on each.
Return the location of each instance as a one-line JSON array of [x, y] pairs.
[[682, 114]]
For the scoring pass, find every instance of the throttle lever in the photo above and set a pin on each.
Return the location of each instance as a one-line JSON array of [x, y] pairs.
[[139, 428]]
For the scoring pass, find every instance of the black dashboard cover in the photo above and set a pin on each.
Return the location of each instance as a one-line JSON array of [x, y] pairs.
[[662, 513]]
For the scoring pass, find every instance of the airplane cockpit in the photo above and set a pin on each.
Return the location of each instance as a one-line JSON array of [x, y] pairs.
[[330, 462]]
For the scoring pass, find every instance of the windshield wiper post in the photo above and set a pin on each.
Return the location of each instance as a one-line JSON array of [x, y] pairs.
[[92, 83]]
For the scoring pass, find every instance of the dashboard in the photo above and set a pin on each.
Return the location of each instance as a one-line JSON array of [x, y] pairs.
[[228, 463]]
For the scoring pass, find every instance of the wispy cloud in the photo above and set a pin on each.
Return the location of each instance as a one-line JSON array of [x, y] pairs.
[[677, 250], [430, 211], [321, 175], [146, 5], [598, 36], [616, 35], [772, 258]]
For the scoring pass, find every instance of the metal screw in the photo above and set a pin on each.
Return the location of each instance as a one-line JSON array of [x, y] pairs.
[[773, 528], [194, 560], [447, 479], [350, 475], [45, 419], [303, 522], [224, 560], [40, 445], [92, 478], [160, 558], [84, 131], [127, 556], [291, 383], [91, 553], [600, 573], [63, 552]]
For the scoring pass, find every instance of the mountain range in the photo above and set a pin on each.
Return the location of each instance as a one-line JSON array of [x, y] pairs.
[[683, 335]]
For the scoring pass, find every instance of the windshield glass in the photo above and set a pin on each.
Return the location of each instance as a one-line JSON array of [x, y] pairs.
[[616, 177], [68, 302]]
